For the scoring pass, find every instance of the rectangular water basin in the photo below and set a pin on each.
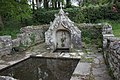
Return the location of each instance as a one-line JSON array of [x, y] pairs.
[[42, 69]]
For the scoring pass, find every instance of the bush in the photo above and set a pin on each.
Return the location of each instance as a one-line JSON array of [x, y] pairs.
[[91, 34], [90, 14], [46, 16], [93, 14]]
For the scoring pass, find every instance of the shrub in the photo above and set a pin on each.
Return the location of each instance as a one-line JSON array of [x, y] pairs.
[[93, 14], [90, 14], [46, 16]]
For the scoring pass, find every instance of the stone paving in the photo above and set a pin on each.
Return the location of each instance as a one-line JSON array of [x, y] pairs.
[[90, 67]]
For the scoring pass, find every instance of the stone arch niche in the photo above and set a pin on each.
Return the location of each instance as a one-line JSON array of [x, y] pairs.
[[62, 33], [63, 39]]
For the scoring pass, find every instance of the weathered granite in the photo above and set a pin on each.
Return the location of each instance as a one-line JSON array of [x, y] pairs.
[[112, 57], [62, 33], [16, 42], [107, 29], [6, 78], [31, 35], [6, 41], [111, 49], [27, 37], [35, 33], [5, 45], [107, 33]]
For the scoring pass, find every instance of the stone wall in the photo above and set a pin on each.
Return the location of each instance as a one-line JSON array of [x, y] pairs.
[[91, 34], [7, 78], [111, 49], [5, 44], [27, 37]]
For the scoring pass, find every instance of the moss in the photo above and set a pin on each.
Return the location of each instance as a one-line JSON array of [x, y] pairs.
[[32, 37], [110, 72], [22, 47], [84, 59]]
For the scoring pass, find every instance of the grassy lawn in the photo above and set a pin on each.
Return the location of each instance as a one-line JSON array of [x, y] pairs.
[[115, 27]]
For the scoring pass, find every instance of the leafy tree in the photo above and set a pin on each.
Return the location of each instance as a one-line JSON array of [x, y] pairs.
[[95, 2], [6, 7], [14, 10]]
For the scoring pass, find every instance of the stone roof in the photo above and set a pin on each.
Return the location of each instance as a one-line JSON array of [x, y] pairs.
[[62, 19]]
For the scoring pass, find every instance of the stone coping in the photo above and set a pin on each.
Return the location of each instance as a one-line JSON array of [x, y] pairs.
[[53, 57], [71, 55], [12, 63], [108, 35], [48, 56]]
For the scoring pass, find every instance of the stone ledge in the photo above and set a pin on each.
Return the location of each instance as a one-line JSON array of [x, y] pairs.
[[29, 36]]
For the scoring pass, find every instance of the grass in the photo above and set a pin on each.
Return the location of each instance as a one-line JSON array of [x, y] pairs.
[[10, 30], [115, 27]]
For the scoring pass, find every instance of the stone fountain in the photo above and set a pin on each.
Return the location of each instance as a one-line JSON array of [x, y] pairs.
[[62, 33]]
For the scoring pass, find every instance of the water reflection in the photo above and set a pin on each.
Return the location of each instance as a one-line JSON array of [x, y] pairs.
[[42, 69]]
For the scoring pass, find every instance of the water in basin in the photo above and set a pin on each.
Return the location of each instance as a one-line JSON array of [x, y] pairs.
[[42, 69]]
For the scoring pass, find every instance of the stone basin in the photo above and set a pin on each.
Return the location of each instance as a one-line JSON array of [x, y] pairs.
[[42, 68]]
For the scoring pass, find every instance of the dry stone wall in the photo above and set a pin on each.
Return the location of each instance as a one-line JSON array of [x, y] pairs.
[[28, 36], [5, 44], [111, 49], [7, 78]]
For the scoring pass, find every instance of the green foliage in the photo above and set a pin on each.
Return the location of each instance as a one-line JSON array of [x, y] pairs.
[[32, 37], [91, 34], [22, 47], [95, 2], [79, 17], [93, 14], [10, 30], [46, 16], [13, 10], [115, 26], [90, 14]]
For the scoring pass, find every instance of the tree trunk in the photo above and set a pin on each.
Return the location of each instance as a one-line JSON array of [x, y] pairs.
[[33, 6], [37, 4], [68, 3], [1, 23], [46, 4], [55, 4], [58, 4]]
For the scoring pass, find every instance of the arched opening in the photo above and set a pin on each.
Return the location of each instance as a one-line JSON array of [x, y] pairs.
[[63, 39]]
